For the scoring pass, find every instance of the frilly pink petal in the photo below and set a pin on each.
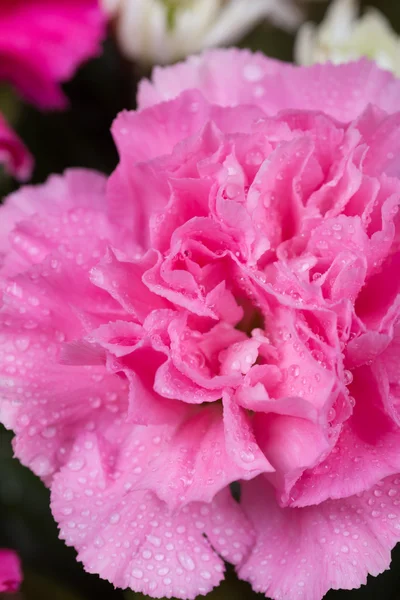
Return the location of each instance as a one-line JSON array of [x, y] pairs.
[[226, 309], [303, 552], [239, 77], [133, 539], [78, 188]]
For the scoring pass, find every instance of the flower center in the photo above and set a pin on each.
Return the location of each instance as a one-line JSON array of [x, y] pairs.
[[252, 318]]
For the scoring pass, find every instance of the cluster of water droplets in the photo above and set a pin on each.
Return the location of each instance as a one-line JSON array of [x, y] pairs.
[[135, 541], [346, 535]]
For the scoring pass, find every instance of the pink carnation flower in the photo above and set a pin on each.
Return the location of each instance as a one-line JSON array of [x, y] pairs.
[[13, 154], [10, 571], [42, 42], [225, 309]]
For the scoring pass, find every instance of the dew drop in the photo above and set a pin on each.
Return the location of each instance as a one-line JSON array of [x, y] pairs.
[[41, 466], [114, 519], [137, 573], [252, 72], [205, 574], [49, 432], [348, 377], [186, 561], [156, 541], [247, 456], [76, 464], [22, 343], [331, 414]]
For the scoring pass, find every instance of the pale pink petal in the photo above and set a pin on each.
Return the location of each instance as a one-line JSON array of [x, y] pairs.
[[76, 189], [133, 540], [48, 418], [10, 571], [219, 75], [195, 459], [123, 280], [303, 552], [233, 77], [383, 146], [180, 119], [36, 321]]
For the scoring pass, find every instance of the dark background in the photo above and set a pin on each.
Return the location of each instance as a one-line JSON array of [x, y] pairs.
[[80, 137]]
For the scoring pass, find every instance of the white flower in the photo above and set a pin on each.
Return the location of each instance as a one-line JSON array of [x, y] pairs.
[[163, 31], [344, 36]]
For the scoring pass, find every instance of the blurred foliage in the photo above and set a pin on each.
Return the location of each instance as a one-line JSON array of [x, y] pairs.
[[81, 136], [37, 587], [230, 589]]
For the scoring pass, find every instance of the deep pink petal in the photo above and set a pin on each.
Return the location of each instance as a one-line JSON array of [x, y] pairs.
[[241, 441], [42, 43], [13, 153], [354, 465], [10, 571]]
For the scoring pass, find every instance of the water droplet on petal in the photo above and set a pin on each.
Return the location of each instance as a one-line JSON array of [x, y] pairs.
[[247, 456], [115, 518], [137, 573], [156, 541], [76, 464], [348, 377], [186, 561], [252, 72]]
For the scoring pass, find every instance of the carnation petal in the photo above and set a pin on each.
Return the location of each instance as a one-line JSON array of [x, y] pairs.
[[13, 153], [134, 540], [76, 189], [198, 459], [354, 466], [303, 552], [275, 86]]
